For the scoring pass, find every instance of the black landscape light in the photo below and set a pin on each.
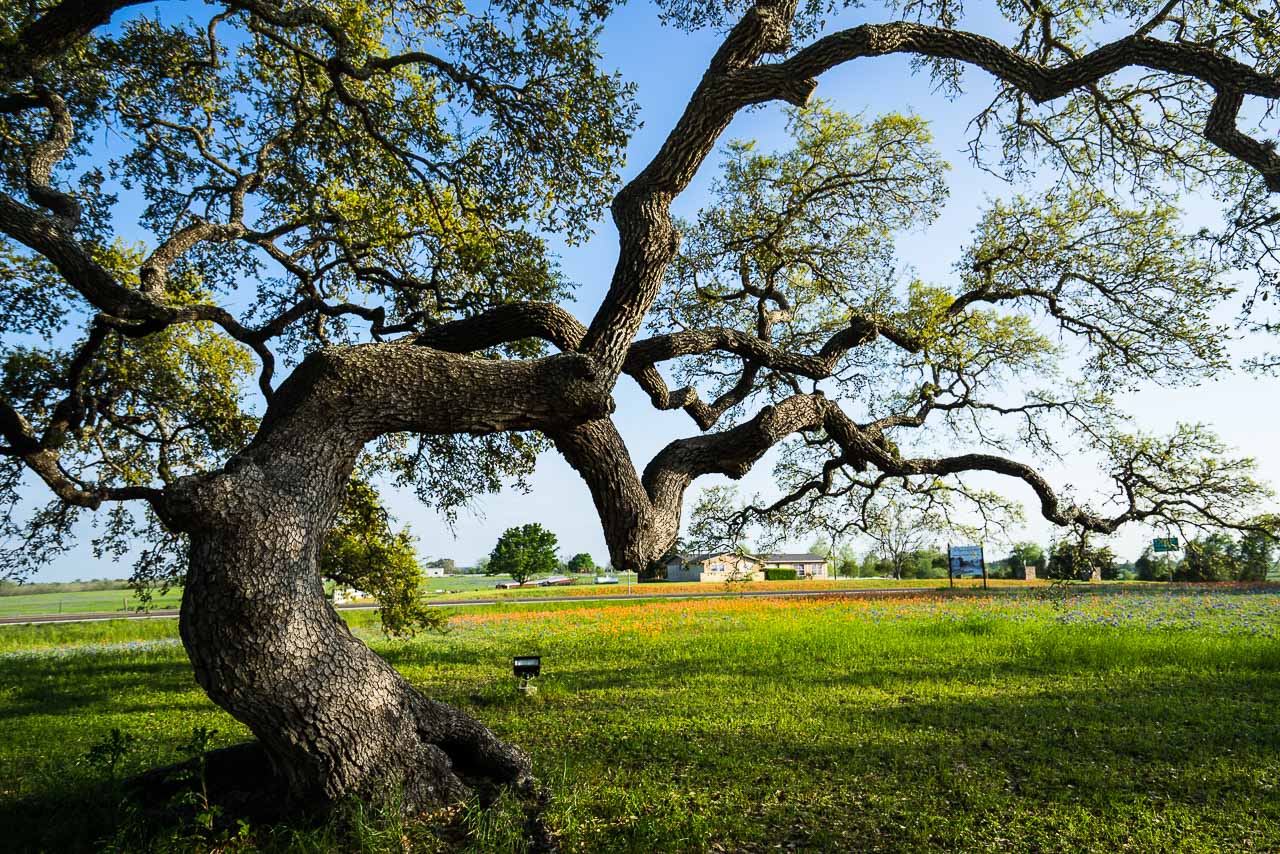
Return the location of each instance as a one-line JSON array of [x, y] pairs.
[[525, 668]]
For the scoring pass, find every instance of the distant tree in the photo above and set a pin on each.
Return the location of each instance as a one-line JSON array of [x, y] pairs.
[[581, 562], [523, 553], [1120, 571], [1255, 553], [898, 531], [1153, 567], [867, 566], [449, 565], [925, 563], [1072, 560], [1208, 558], [1027, 554], [841, 562], [844, 562]]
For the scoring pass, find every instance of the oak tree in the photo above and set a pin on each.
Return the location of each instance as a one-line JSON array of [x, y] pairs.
[[523, 552], [317, 239]]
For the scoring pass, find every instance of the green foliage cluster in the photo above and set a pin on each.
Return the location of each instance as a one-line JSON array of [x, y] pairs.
[[524, 552], [777, 573], [1020, 556], [423, 183], [581, 563], [1071, 560], [362, 551], [1218, 557]]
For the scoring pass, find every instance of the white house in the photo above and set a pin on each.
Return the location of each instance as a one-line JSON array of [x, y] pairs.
[[349, 595], [730, 566], [717, 567]]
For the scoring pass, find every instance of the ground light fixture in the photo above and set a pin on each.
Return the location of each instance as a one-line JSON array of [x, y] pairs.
[[525, 667]]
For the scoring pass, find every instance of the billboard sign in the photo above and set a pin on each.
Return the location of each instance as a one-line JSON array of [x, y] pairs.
[[965, 560]]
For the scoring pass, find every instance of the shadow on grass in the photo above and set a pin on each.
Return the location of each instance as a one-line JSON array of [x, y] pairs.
[[827, 749], [78, 818], [57, 685]]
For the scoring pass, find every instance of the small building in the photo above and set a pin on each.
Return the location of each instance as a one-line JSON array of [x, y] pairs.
[[731, 566], [349, 596], [806, 565], [714, 567]]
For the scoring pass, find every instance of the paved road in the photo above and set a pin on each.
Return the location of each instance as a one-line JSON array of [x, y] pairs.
[[168, 613]]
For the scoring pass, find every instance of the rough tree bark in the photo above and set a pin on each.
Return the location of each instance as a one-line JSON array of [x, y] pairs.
[[265, 642]]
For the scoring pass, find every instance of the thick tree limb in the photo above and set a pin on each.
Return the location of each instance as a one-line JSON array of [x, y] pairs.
[[504, 324], [641, 211], [49, 36], [1230, 79]]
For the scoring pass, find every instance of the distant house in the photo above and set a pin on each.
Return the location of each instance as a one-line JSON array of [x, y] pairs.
[[349, 595], [730, 566], [806, 565], [714, 567]]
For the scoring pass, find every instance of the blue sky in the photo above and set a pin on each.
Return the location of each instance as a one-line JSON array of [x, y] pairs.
[[666, 64]]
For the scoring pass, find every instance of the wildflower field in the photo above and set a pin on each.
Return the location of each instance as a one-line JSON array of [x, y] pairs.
[[1046, 719], [463, 588]]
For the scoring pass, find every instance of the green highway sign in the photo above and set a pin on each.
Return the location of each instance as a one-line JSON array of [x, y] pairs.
[[1165, 544]]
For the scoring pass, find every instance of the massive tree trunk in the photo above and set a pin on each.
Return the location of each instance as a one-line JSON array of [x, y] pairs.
[[264, 641]]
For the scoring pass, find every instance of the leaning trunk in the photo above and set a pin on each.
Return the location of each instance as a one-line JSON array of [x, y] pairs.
[[333, 716], [264, 641]]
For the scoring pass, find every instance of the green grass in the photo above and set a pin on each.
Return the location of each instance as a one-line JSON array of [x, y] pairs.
[[82, 602], [1035, 721]]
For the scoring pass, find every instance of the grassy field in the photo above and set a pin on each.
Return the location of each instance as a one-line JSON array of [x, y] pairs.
[[82, 602], [1034, 720]]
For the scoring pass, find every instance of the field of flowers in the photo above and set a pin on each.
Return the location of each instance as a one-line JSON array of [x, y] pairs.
[[1046, 719], [460, 588], [584, 588]]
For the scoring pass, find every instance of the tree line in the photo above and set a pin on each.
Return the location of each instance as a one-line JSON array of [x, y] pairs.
[[1252, 556]]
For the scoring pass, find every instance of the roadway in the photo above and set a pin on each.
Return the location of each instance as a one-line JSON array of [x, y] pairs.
[[169, 613]]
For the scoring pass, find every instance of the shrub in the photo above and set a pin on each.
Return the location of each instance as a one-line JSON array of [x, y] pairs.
[[779, 574]]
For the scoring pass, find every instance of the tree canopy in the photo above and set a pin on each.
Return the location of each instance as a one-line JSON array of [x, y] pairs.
[[524, 552], [363, 188]]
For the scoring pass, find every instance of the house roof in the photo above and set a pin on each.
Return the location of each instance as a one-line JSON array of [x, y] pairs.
[[698, 557]]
